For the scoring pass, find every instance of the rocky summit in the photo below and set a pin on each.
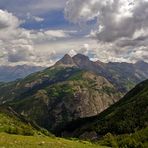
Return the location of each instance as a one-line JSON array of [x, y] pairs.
[[124, 76]]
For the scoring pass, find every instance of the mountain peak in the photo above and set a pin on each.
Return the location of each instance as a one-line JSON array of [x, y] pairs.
[[66, 60], [67, 56], [81, 56]]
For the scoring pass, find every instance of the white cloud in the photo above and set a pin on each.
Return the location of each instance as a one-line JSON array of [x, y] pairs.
[[116, 18], [35, 7], [122, 26], [56, 33], [31, 17], [72, 52], [122, 32], [22, 46], [38, 19], [8, 20]]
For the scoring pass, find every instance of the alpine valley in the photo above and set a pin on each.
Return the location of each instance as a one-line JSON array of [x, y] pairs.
[[79, 98]]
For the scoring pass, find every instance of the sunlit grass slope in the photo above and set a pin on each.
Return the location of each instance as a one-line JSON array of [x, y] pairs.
[[18, 141]]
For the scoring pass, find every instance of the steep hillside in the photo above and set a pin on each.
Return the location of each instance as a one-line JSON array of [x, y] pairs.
[[126, 116], [138, 139], [78, 95], [16, 132], [34, 82], [13, 123]]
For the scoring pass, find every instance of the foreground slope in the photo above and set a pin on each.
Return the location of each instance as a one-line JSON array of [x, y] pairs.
[[16, 132], [15, 141], [13, 123], [138, 139], [126, 116]]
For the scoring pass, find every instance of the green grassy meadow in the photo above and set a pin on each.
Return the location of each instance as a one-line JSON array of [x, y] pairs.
[[19, 141]]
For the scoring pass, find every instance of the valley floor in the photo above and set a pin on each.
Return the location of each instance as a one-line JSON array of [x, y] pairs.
[[17, 141]]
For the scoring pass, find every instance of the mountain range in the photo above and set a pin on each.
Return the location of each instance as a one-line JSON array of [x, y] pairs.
[[80, 98], [123, 75], [11, 73]]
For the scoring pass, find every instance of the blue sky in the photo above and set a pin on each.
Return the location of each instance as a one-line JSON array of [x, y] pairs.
[[52, 19], [40, 32]]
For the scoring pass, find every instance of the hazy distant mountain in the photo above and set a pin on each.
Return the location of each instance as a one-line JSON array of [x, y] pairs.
[[11, 73]]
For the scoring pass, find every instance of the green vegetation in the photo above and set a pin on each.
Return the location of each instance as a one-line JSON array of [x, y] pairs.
[[16, 132], [13, 123], [126, 116], [139, 139], [48, 97], [34, 82], [15, 141]]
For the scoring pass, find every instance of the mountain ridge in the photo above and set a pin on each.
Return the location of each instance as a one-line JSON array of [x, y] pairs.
[[123, 75], [12, 73]]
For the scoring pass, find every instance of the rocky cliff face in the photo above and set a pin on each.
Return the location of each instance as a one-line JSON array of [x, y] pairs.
[[85, 97], [124, 117]]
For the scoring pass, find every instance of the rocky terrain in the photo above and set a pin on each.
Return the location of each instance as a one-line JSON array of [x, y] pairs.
[[124, 117]]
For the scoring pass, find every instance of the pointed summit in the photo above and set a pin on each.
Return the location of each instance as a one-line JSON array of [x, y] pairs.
[[80, 57], [81, 60], [65, 61]]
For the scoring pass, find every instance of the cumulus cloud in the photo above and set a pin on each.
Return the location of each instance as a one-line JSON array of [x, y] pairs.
[[116, 18], [122, 25], [34, 18], [38, 19], [35, 7], [18, 45], [119, 31], [7, 20]]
